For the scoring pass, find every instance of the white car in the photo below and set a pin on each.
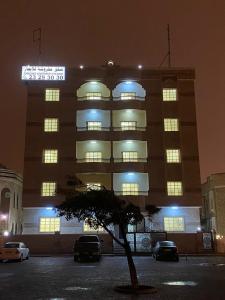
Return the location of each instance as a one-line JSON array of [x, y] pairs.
[[14, 251]]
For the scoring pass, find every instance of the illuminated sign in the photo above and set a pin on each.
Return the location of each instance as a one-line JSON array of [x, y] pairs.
[[43, 73]]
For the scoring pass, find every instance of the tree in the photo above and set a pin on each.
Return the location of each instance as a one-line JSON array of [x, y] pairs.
[[103, 208]]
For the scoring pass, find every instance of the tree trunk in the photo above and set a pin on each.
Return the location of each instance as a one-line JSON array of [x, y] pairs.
[[132, 268]]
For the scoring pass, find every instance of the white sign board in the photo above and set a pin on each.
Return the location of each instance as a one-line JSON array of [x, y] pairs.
[[43, 73]]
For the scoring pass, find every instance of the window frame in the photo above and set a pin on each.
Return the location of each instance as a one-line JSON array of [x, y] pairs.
[[52, 97], [128, 95], [49, 189], [50, 156], [130, 192], [99, 128], [174, 217], [94, 96], [129, 159], [49, 126], [171, 157], [49, 218], [93, 159], [169, 126], [175, 188], [169, 95], [128, 126]]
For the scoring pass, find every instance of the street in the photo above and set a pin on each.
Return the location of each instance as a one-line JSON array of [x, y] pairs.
[[59, 278]]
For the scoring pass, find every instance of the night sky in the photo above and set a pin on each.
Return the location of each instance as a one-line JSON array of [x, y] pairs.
[[129, 32]]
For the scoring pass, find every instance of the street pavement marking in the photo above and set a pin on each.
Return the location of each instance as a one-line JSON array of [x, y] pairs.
[[181, 283]]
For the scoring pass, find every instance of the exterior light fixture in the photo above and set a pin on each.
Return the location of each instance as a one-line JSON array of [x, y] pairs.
[[93, 111], [129, 142], [93, 82], [139, 67], [199, 228], [130, 174], [93, 142], [6, 233], [174, 207], [81, 67], [49, 208], [3, 217], [110, 63], [128, 82]]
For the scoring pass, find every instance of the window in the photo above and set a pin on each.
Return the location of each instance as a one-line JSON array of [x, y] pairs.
[[174, 224], [128, 96], [93, 96], [130, 156], [169, 94], [51, 125], [128, 125], [48, 189], [88, 228], [94, 125], [93, 186], [173, 155], [94, 156], [171, 125], [50, 156], [49, 224], [52, 95], [174, 188], [130, 189]]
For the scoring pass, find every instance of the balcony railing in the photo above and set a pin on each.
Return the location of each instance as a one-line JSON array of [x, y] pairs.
[[131, 98], [126, 193], [93, 98], [130, 160], [129, 129], [93, 160], [79, 128], [97, 129]]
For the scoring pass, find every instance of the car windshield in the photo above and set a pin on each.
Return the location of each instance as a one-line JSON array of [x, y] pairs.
[[12, 245], [88, 239], [166, 243]]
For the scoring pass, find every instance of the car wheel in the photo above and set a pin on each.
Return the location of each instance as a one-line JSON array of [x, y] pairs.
[[97, 258], [28, 256], [75, 258], [21, 258], [177, 259]]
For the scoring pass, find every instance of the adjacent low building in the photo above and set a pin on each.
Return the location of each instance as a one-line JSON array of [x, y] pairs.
[[213, 210], [10, 202]]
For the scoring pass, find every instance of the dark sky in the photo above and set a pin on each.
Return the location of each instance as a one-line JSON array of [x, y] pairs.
[[127, 31]]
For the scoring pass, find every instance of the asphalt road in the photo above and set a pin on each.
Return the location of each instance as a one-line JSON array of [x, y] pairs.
[[59, 278]]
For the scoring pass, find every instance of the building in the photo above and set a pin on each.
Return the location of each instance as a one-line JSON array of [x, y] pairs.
[[213, 209], [10, 202], [132, 130]]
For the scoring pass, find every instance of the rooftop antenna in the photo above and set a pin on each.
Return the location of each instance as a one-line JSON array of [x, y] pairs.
[[37, 38], [168, 54]]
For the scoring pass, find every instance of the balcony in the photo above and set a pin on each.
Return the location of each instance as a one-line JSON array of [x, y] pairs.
[[129, 91], [93, 91]]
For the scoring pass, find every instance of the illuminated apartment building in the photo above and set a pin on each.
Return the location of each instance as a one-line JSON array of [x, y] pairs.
[[131, 130]]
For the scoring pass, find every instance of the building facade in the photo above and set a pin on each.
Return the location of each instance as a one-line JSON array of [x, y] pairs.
[[213, 209], [128, 129], [10, 202]]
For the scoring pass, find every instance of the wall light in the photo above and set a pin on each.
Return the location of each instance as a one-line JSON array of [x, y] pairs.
[[174, 207], [6, 233], [128, 82], [49, 208], [130, 174], [3, 217], [129, 142], [93, 82], [93, 142], [139, 67], [81, 67], [93, 111]]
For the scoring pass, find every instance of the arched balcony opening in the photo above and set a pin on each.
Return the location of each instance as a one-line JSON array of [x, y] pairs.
[[129, 90], [93, 90]]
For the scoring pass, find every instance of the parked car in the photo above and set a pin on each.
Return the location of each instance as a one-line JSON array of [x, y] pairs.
[[165, 250], [87, 246], [14, 251]]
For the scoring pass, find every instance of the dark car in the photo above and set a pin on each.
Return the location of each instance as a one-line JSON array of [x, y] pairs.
[[87, 246], [165, 250]]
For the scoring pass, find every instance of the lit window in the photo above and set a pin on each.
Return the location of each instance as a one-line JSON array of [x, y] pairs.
[[52, 95], [94, 156], [174, 188], [94, 125], [174, 224], [51, 125], [49, 224], [130, 189], [169, 94], [48, 189], [128, 125], [130, 156], [171, 125], [94, 96], [94, 186], [88, 228], [50, 156], [173, 155], [127, 96]]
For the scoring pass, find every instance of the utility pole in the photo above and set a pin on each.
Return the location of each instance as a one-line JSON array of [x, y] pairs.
[[169, 52], [37, 38]]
